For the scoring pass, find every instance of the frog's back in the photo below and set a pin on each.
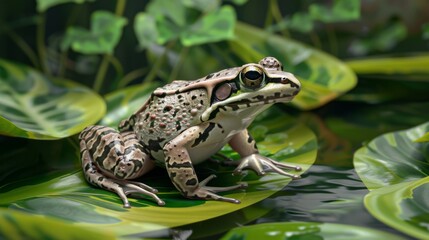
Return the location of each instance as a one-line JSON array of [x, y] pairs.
[[164, 116]]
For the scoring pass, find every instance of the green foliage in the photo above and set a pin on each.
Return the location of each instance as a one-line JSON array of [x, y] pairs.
[[305, 230], [340, 11], [170, 20], [35, 106], [383, 40], [424, 138], [396, 168], [105, 33], [425, 29], [43, 5]]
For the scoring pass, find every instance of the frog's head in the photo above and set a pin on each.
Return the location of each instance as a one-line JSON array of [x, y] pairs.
[[252, 88]]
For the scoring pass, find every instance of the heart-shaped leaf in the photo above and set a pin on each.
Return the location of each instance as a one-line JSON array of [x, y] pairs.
[[323, 77], [305, 230], [106, 30], [396, 168], [35, 106], [59, 195], [213, 27]]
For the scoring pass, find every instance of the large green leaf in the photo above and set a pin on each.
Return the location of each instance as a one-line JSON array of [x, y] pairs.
[[105, 33], [403, 206], [396, 168], [67, 198], [35, 106], [340, 11], [305, 230], [323, 77], [393, 158]]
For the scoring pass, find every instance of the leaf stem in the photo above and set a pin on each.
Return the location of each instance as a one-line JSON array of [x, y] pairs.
[[31, 55], [178, 66], [159, 61], [277, 15], [131, 76], [101, 74], [104, 66], [41, 48]]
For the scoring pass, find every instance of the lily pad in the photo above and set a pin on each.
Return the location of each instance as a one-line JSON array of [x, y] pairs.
[[393, 158], [396, 168], [306, 230], [403, 206], [85, 206], [35, 106], [323, 77]]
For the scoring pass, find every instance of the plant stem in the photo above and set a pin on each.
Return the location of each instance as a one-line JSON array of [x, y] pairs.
[[277, 15], [120, 7], [179, 64], [31, 55], [131, 76], [41, 48], [101, 74], [104, 66], [316, 40], [159, 61]]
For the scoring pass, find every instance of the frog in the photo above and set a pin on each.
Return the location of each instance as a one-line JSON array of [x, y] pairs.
[[183, 124]]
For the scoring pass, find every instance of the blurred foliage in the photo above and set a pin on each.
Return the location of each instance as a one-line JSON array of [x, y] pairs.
[[363, 65]]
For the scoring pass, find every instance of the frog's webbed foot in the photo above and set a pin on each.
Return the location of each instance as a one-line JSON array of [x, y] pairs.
[[206, 192], [261, 165], [125, 187]]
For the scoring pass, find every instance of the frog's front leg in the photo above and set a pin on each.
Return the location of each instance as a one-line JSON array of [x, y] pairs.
[[110, 159], [245, 145], [181, 171]]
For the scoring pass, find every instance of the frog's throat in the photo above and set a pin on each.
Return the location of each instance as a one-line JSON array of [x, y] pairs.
[[232, 106]]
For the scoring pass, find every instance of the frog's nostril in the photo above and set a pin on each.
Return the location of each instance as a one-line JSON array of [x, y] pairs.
[[285, 80]]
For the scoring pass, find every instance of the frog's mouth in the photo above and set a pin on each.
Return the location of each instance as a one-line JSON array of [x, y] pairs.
[[261, 100]]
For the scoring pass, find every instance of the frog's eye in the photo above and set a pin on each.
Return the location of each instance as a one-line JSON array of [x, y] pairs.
[[252, 77]]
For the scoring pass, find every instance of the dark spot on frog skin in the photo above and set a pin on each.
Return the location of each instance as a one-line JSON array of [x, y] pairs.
[[194, 97], [167, 108], [209, 76], [249, 138], [179, 165], [154, 145], [178, 126], [192, 182], [203, 136]]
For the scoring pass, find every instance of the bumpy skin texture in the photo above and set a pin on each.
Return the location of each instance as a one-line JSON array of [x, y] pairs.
[[183, 124]]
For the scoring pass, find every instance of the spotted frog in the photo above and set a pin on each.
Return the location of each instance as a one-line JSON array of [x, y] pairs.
[[183, 124]]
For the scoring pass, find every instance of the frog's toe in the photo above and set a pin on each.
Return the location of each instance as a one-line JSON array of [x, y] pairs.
[[261, 165]]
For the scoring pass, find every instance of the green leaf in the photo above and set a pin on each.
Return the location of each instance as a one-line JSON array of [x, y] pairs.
[[145, 29], [202, 5], [305, 230], [212, 27], [396, 170], [323, 77], [69, 199], [301, 22], [43, 5], [424, 138], [166, 10], [403, 206], [16, 224], [392, 65], [37, 107], [341, 11], [393, 158], [105, 33]]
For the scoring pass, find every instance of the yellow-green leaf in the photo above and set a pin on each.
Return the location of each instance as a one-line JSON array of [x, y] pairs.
[[35, 106]]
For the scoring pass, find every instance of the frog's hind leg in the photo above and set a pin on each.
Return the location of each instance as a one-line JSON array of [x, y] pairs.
[[110, 159]]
